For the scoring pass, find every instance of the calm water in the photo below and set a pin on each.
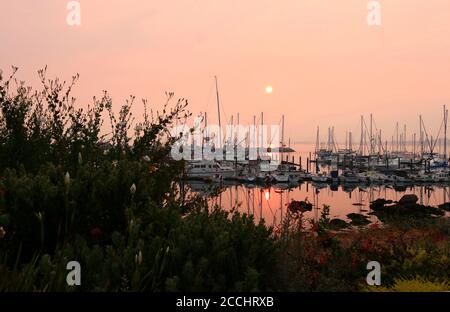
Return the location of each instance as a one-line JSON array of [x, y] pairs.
[[271, 203]]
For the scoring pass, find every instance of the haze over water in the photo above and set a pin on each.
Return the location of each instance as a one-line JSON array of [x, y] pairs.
[[325, 64]]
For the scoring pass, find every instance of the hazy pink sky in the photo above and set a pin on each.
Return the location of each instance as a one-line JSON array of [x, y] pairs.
[[326, 65]]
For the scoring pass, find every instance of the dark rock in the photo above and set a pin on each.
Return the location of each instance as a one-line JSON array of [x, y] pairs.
[[299, 206], [445, 206], [433, 211], [358, 219], [409, 199], [338, 224], [378, 203], [406, 207]]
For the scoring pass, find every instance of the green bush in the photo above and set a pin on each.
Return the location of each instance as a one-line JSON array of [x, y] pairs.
[[112, 203], [414, 285]]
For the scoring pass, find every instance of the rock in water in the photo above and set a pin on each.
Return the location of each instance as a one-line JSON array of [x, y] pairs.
[[445, 206], [378, 203], [409, 199], [338, 224], [358, 219], [299, 206]]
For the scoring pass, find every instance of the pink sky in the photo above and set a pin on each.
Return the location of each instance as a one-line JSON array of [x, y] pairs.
[[326, 65]]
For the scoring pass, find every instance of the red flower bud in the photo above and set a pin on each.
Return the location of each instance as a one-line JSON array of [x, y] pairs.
[[96, 232]]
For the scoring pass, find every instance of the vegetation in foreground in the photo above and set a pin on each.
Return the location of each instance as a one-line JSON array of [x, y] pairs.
[[111, 202]]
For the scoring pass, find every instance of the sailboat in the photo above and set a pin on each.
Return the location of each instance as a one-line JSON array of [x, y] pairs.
[[208, 169]]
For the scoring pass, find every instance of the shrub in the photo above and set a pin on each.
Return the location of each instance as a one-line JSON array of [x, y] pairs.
[[111, 202], [414, 285]]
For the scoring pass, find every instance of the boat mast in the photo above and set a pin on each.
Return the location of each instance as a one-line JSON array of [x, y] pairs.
[[282, 138], [328, 139], [236, 141], [203, 135], [232, 128], [361, 144], [445, 134], [334, 140], [346, 140], [421, 137], [392, 146], [237, 128], [396, 130], [218, 111], [371, 137], [380, 146], [254, 137], [350, 142], [262, 131], [317, 141], [404, 140]]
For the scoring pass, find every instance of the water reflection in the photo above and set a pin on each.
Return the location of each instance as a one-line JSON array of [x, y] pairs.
[[270, 203]]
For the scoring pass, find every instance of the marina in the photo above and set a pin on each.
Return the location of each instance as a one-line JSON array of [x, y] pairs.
[[345, 191], [264, 181], [372, 162]]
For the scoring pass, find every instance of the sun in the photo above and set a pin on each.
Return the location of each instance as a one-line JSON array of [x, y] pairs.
[[269, 89]]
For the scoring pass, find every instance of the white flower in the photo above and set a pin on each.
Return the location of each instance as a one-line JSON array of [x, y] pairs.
[[133, 189], [138, 258], [2, 232], [146, 158], [38, 215], [67, 179]]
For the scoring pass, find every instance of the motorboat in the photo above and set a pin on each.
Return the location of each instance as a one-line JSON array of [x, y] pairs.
[[279, 177], [441, 176], [320, 177], [422, 177], [208, 169], [349, 177], [372, 177], [398, 179]]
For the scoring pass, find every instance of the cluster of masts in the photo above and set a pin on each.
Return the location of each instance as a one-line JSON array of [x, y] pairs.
[[255, 137], [373, 161], [372, 142]]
